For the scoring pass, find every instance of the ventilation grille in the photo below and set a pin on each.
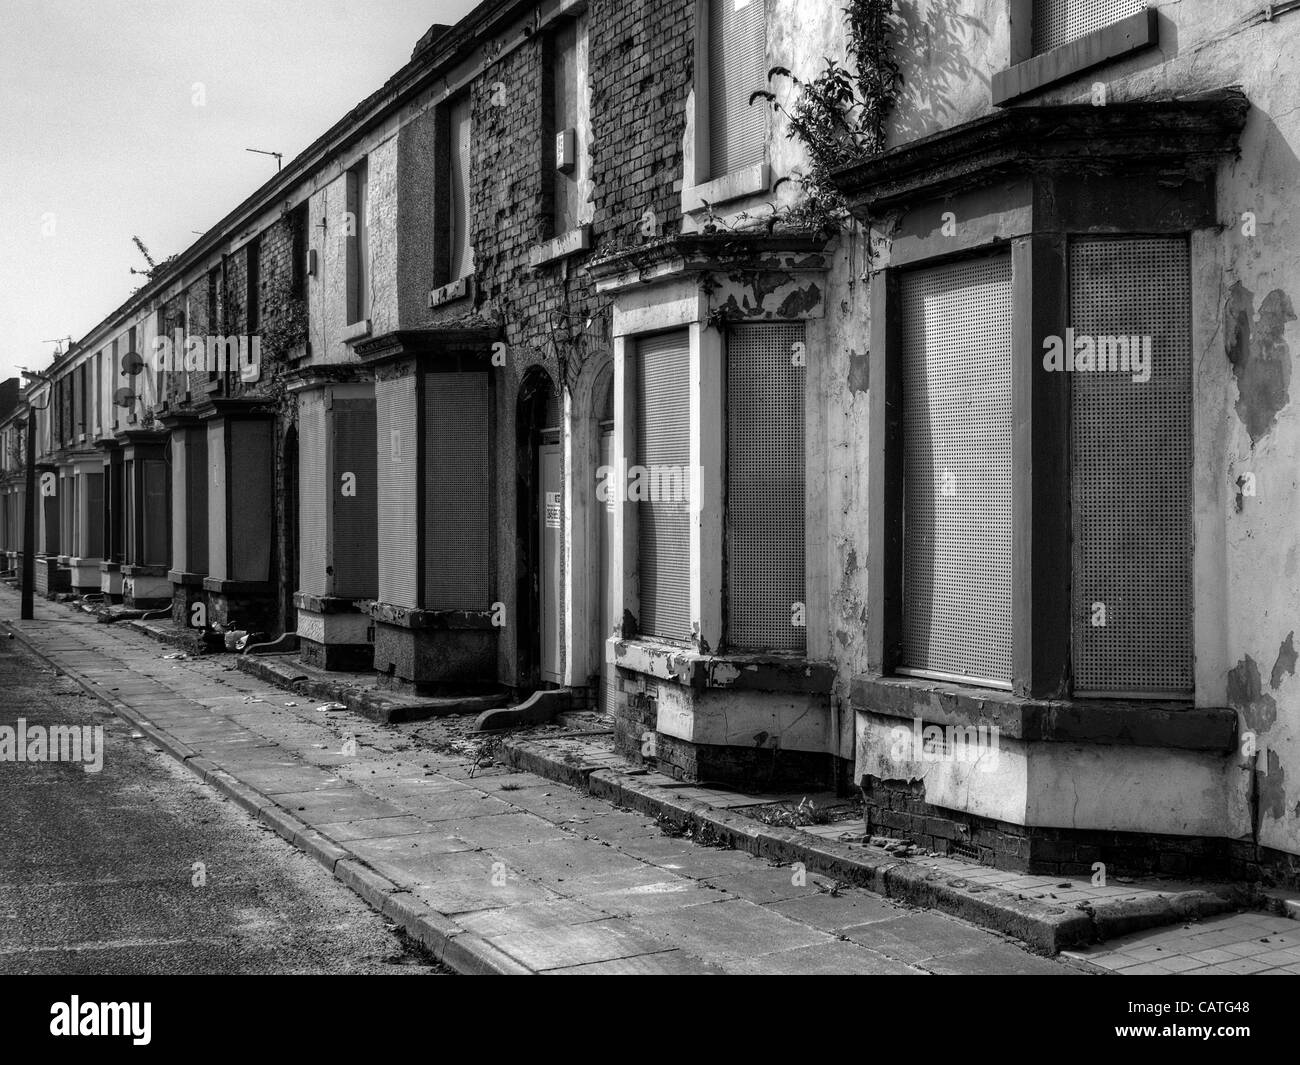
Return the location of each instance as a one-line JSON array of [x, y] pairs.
[[313, 494], [457, 533], [765, 489], [957, 470], [1058, 22], [663, 448], [354, 556], [737, 67], [1131, 454], [395, 419]]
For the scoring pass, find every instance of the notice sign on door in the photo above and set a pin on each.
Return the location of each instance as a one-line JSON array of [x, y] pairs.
[[552, 510]]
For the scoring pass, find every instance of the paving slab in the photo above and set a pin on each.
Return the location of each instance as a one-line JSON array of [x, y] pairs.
[[500, 870]]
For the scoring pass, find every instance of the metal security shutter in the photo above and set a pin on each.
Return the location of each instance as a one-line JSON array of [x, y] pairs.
[[956, 355], [462, 253], [313, 495], [765, 488], [1058, 22], [354, 556], [737, 67], [94, 488], [395, 420], [663, 447], [1131, 461], [154, 475], [457, 532], [196, 485]]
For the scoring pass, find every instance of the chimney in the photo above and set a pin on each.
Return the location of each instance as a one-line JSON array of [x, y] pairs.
[[436, 33]]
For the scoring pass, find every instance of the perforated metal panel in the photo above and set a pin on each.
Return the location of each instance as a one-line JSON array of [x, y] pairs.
[[462, 252], [313, 495], [663, 449], [396, 443], [956, 355], [456, 527], [737, 67], [154, 546], [1131, 456], [354, 554], [94, 488], [1058, 22], [765, 489], [196, 487]]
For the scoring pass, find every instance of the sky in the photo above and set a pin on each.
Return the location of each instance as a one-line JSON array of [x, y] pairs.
[[122, 118]]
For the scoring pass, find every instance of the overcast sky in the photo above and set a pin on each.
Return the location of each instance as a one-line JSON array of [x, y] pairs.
[[104, 134]]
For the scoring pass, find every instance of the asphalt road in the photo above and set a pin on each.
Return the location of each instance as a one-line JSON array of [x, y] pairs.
[[100, 873]]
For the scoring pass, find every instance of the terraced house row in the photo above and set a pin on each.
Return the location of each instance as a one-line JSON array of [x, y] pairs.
[[553, 377]]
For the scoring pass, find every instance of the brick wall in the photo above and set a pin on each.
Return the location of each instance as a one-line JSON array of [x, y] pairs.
[[641, 57], [898, 809]]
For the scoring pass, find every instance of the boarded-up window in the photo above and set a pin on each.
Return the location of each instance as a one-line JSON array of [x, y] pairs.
[[457, 534], [663, 456], [313, 492], [765, 488], [353, 551], [93, 486], [358, 243], [461, 252], [956, 356], [1131, 460], [397, 475], [1058, 22], [737, 67], [154, 520]]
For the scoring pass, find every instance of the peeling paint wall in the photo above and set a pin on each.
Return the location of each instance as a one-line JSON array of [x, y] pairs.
[[1246, 280]]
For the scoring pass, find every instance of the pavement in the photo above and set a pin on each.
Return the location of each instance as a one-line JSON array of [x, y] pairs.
[[140, 868], [490, 868]]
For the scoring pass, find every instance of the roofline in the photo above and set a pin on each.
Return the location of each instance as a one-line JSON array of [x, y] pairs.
[[423, 67]]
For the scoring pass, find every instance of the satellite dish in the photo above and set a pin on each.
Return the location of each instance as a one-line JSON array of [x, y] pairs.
[[124, 397], [132, 363]]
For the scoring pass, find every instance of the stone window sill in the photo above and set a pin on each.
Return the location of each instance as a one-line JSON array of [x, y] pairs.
[[1116, 722], [1109, 43], [456, 290], [406, 617], [571, 243], [742, 672], [748, 181], [356, 331]]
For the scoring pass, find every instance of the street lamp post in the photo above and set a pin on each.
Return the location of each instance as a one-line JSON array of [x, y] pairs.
[[27, 607], [29, 519]]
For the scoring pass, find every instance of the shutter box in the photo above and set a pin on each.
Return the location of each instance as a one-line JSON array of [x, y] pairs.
[[957, 430]]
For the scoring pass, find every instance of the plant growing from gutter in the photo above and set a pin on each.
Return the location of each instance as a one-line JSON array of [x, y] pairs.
[[840, 116]]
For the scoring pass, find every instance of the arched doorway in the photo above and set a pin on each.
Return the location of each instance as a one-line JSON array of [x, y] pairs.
[[539, 532], [289, 530], [605, 608]]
